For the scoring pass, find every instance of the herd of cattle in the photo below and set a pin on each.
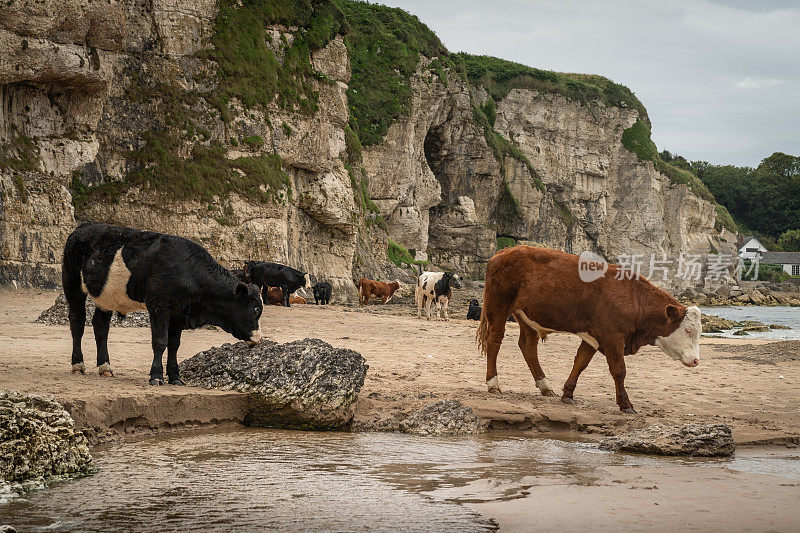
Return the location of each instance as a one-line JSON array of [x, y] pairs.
[[182, 287]]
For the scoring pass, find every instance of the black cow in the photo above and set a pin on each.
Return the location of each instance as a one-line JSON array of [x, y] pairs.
[[322, 293], [238, 273], [264, 275], [474, 311], [174, 279]]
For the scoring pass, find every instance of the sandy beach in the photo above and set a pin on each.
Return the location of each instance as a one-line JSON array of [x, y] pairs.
[[412, 363]]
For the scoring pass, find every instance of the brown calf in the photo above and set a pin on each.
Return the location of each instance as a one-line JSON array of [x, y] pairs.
[[275, 297], [544, 291], [368, 288]]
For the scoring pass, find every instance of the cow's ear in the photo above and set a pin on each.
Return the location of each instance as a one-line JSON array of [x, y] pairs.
[[241, 290], [673, 313]]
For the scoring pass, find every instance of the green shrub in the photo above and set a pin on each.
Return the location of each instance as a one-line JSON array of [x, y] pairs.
[[505, 242], [352, 145], [766, 272], [399, 255], [254, 142]]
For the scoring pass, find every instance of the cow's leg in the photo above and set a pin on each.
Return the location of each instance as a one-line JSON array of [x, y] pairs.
[[529, 344], [427, 307], [444, 308], [286, 295], [496, 331], [616, 365], [76, 302], [173, 343], [101, 322], [419, 298], [585, 353], [159, 329]]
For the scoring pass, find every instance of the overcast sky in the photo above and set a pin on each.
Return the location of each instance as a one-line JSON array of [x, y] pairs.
[[720, 78]]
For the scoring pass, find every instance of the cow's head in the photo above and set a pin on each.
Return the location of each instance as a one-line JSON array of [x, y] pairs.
[[455, 281], [683, 343], [239, 316], [473, 304]]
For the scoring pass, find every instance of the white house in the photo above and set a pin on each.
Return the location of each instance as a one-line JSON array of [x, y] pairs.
[[790, 261], [750, 248]]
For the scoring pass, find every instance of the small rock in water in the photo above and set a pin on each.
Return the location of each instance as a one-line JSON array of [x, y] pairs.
[[306, 384], [447, 417], [698, 440]]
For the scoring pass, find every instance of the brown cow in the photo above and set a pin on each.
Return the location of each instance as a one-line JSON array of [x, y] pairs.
[[368, 288], [544, 290], [275, 297]]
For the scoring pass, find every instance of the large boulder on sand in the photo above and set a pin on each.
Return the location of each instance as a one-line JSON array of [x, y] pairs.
[[698, 440], [38, 443], [306, 384], [448, 417]]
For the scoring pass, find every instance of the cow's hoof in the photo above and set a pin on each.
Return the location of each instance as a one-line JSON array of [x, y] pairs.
[[568, 401], [176, 381], [79, 368], [629, 411], [495, 390], [549, 392], [105, 370], [156, 381]]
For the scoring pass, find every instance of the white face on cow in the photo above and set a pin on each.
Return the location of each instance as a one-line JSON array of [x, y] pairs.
[[683, 344]]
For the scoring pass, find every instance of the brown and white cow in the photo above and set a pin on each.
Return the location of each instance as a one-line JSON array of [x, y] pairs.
[[544, 290], [368, 288]]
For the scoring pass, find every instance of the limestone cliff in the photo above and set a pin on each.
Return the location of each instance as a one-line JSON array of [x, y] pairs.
[[133, 114]]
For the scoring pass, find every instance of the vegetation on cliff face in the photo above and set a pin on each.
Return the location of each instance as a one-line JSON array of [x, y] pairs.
[[247, 66], [384, 45], [637, 140], [20, 154]]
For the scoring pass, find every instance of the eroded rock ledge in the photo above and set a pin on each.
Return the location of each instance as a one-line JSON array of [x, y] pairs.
[[305, 384], [38, 443], [697, 440]]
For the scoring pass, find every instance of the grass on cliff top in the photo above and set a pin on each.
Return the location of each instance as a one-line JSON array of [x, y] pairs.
[[637, 140], [247, 68], [384, 45], [499, 76]]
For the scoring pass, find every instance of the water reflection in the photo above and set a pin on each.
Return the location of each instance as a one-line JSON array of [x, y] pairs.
[[253, 479]]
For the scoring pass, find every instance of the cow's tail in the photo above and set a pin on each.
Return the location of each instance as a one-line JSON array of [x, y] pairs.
[[482, 335], [71, 263]]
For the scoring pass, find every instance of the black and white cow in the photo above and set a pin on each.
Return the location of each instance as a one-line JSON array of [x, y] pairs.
[[265, 274], [435, 287], [474, 311], [322, 293], [174, 279]]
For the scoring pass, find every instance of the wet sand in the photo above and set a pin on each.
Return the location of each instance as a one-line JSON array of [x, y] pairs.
[[412, 363]]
